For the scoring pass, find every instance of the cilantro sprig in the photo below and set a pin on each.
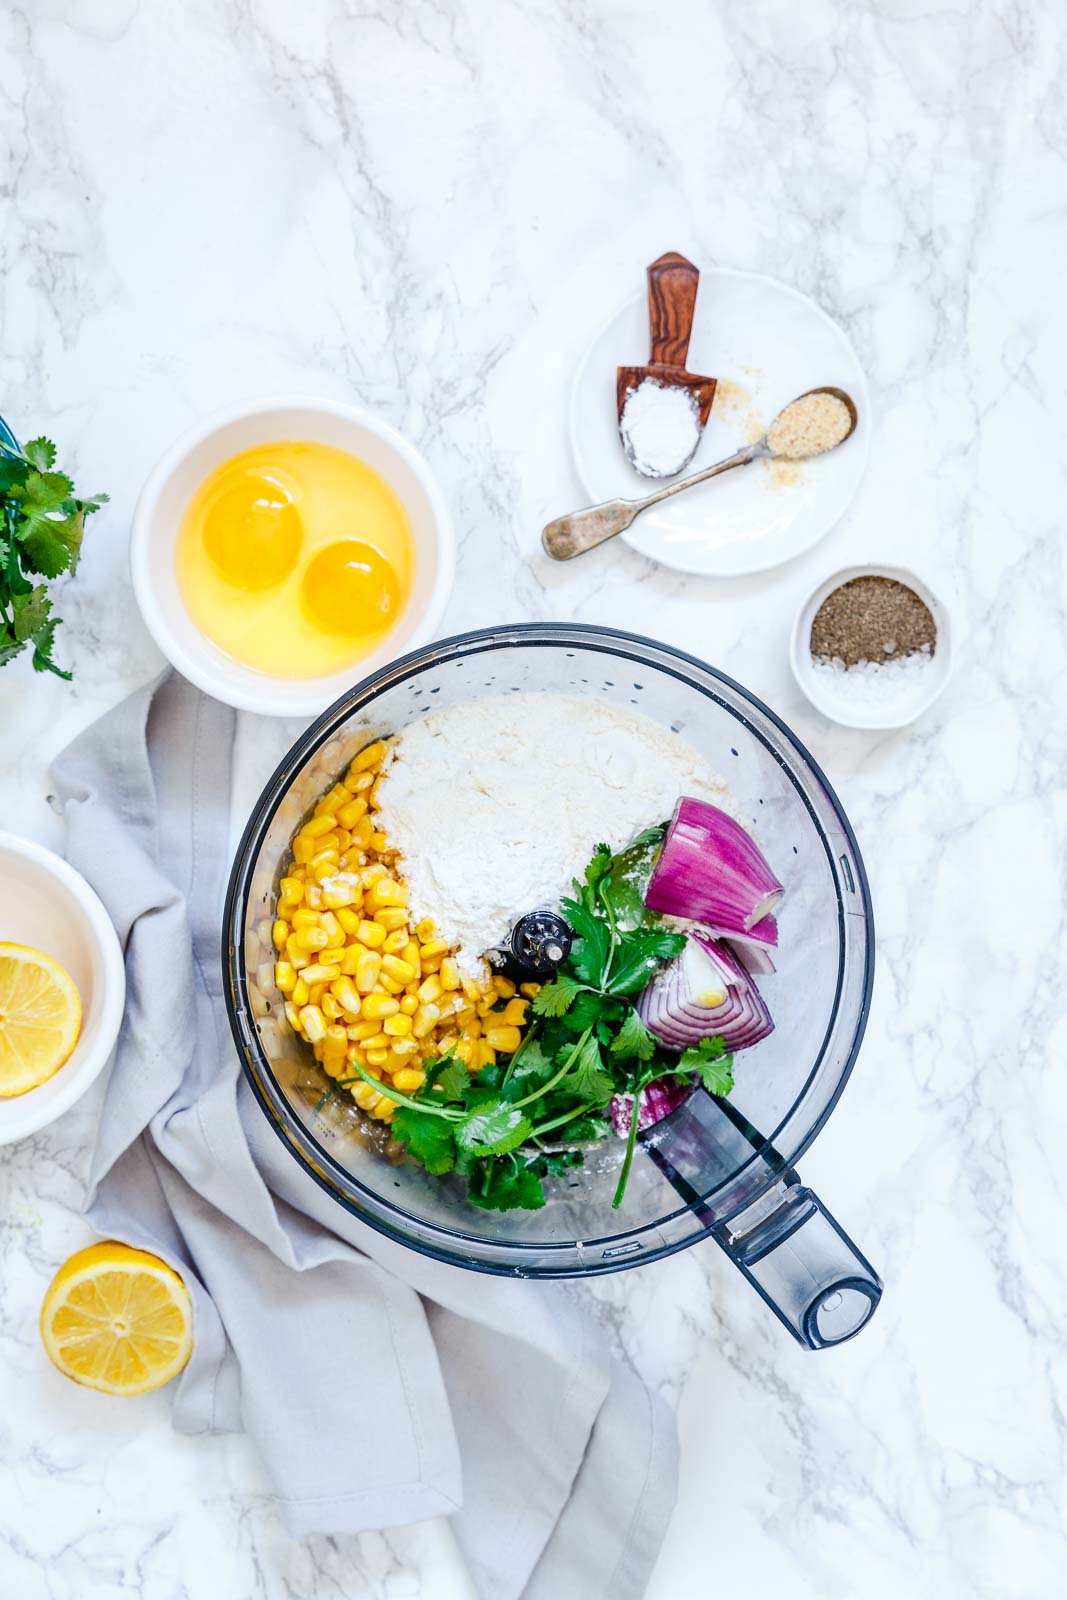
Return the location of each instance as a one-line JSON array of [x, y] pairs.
[[42, 523], [528, 1117]]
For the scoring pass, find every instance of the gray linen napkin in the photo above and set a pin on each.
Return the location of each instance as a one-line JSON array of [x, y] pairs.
[[379, 1387]]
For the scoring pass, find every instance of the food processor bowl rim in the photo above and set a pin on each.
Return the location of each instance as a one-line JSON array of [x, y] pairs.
[[295, 1136]]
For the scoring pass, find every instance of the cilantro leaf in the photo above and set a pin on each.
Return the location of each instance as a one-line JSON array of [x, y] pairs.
[[587, 1079], [633, 1040], [428, 1139], [590, 1009], [9, 650], [622, 890], [555, 998], [531, 1064], [710, 1061], [592, 946], [453, 1080], [51, 544], [505, 1185], [493, 1129], [639, 954], [30, 612], [40, 453], [12, 471]]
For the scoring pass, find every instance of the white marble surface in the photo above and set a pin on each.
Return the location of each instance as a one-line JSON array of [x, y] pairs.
[[428, 206]]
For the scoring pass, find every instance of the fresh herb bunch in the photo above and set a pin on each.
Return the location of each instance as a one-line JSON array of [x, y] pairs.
[[41, 526], [526, 1118]]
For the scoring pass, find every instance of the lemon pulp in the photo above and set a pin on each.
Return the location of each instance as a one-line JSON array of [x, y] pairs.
[[266, 566], [118, 1319], [40, 1017]]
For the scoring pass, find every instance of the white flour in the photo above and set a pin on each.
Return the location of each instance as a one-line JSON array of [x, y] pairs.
[[661, 425], [496, 804]]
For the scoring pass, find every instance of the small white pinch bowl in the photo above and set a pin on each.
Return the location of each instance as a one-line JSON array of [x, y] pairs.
[[184, 467], [47, 905], [891, 713]]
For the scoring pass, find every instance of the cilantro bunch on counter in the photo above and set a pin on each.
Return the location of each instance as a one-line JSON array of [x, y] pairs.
[[41, 527], [529, 1117]]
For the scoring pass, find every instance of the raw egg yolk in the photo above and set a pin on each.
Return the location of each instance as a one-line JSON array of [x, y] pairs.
[[350, 587], [253, 532]]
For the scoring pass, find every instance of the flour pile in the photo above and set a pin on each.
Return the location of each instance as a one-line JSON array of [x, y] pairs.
[[496, 804]]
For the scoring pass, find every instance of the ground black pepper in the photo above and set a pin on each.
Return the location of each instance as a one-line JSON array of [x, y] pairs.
[[872, 619]]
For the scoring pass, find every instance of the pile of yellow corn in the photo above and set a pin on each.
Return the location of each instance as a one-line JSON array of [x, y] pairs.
[[361, 983]]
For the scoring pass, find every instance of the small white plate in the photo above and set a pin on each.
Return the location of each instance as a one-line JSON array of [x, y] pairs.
[[47, 905], [769, 343], [833, 699]]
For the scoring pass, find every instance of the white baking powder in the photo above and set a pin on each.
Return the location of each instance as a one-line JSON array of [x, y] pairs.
[[660, 424], [496, 804]]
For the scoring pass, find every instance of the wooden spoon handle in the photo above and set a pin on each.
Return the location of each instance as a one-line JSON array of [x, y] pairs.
[[672, 298]]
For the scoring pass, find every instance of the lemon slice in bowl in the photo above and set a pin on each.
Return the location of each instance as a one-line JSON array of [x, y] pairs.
[[40, 1017], [117, 1319]]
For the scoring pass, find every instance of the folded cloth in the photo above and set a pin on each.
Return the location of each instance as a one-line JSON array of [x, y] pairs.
[[380, 1387]]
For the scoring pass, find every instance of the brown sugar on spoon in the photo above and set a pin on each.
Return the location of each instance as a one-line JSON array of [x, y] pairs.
[[872, 619]]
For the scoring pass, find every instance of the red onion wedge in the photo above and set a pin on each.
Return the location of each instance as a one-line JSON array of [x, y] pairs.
[[655, 1101], [752, 949], [704, 993], [710, 871]]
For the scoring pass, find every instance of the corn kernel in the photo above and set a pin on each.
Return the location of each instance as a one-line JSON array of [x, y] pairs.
[[378, 840], [385, 892], [312, 938], [404, 1048], [363, 1094], [483, 1055], [450, 978], [313, 896], [377, 1058], [424, 930], [304, 918], [398, 1025], [379, 1040], [430, 988], [292, 889], [350, 813], [349, 921], [399, 971], [515, 1012], [336, 1040], [408, 1079], [344, 992], [315, 992], [504, 987], [530, 990], [368, 967], [505, 1039], [292, 1016], [303, 850], [372, 934], [464, 1050], [340, 890], [320, 973], [390, 985], [363, 832], [380, 1005], [313, 1023], [301, 992], [391, 918], [330, 1009], [424, 1019], [370, 756], [408, 1005], [318, 826], [279, 933], [325, 865], [362, 1031], [285, 976]]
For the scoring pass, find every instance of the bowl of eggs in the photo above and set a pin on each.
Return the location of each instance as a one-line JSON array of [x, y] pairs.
[[281, 545]]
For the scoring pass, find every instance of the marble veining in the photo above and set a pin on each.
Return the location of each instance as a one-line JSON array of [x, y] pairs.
[[429, 207]]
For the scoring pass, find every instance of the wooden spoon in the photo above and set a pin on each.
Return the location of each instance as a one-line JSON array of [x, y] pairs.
[[672, 298]]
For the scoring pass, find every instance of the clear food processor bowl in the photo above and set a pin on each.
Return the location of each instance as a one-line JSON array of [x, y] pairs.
[[718, 1169]]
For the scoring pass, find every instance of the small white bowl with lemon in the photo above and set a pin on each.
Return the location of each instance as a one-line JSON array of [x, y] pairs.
[[287, 547], [62, 987]]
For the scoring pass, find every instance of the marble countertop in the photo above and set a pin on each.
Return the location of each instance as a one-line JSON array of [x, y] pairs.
[[426, 207]]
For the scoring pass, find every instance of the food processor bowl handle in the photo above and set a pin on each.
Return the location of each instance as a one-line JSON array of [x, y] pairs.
[[803, 1263]]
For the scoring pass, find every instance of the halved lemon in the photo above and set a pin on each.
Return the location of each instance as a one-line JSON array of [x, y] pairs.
[[117, 1319], [40, 1017]]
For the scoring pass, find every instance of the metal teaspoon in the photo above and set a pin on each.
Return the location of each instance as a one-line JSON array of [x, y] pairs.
[[579, 531]]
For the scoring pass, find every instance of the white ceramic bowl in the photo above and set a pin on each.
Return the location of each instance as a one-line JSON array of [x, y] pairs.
[[891, 713], [184, 467], [48, 905]]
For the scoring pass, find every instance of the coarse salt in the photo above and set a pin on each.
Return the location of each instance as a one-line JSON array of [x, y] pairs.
[[873, 683], [660, 425]]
